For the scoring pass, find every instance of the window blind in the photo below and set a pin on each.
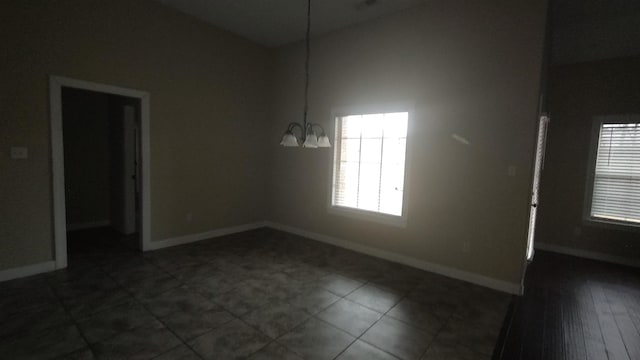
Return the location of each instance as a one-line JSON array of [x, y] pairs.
[[369, 162], [616, 188]]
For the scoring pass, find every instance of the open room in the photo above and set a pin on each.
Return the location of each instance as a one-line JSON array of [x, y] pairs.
[[319, 179]]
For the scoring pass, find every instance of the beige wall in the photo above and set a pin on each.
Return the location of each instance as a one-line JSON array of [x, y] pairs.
[[208, 110], [86, 156], [577, 93], [471, 68]]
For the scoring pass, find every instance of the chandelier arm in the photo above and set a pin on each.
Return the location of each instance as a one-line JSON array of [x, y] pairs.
[[318, 125], [293, 125]]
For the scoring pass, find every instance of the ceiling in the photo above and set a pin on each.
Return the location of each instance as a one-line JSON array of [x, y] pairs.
[[275, 23], [594, 30], [578, 11]]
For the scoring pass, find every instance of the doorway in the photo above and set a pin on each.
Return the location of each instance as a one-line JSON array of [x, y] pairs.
[[100, 160]]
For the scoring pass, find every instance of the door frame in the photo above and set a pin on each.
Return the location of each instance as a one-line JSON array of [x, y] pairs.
[[57, 159], [538, 167]]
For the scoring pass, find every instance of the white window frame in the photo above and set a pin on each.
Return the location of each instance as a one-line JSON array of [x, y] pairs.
[[591, 172], [359, 214]]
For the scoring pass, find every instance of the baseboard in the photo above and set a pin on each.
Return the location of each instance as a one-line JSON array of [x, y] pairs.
[[186, 239], [88, 225], [500, 285], [593, 255], [24, 271]]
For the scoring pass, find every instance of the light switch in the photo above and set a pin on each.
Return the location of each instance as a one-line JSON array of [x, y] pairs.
[[511, 170], [19, 152]]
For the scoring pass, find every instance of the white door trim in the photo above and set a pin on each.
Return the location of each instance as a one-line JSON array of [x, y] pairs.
[[57, 159]]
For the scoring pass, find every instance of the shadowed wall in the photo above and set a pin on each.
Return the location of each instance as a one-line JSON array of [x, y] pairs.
[[577, 93]]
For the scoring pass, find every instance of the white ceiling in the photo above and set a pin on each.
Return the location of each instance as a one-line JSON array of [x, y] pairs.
[[278, 22]]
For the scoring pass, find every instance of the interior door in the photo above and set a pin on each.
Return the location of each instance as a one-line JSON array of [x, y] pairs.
[[537, 172], [130, 170], [124, 170]]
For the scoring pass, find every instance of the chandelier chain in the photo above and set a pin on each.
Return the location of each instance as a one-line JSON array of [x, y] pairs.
[[306, 65]]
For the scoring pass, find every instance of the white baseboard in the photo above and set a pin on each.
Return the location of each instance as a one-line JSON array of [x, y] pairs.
[[24, 271], [185, 239], [504, 286], [593, 255], [88, 225]]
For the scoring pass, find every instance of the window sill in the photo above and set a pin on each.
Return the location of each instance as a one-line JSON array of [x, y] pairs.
[[611, 224], [398, 221]]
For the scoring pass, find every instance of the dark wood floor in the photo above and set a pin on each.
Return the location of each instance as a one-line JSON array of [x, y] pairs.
[[574, 309]]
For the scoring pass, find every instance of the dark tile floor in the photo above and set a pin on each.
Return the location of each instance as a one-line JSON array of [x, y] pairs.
[[261, 294]]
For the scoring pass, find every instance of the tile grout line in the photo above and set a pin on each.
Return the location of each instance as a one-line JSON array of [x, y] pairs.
[[239, 318], [76, 322], [311, 316], [140, 303], [287, 301], [185, 283], [435, 336], [344, 297], [73, 320], [198, 262], [372, 325]]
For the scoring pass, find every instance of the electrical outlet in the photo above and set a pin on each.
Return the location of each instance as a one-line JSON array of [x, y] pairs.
[[466, 247], [511, 170], [188, 217]]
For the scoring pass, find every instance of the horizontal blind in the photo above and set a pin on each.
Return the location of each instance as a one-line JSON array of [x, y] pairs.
[[616, 188], [369, 162]]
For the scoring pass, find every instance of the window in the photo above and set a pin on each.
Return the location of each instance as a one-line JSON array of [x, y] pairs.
[[615, 183], [369, 164]]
